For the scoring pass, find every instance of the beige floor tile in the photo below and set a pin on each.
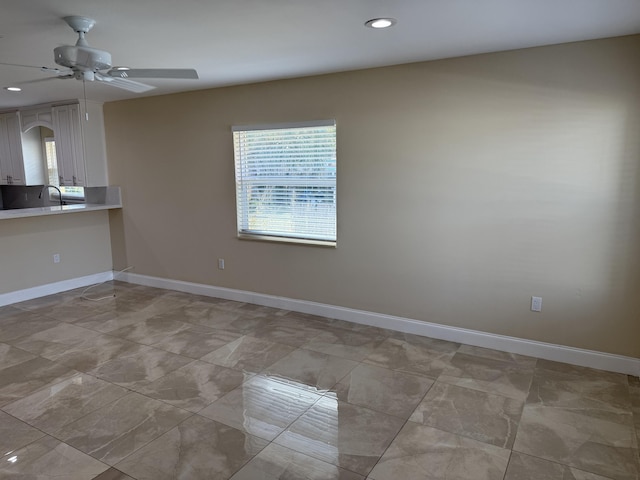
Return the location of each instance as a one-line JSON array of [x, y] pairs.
[[276, 462], [586, 442], [151, 330], [198, 448], [18, 381], [590, 395], [356, 327], [524, 467], [248, 353], [488, 375], [110, 320], [113, 474], [48, 300], [392, 392], [288, 331], [106, 322], [318, 371], [634, 391], [55, 341], [90, 353], [118, 429], [433, 344], [73, 309], [521, 360], [410, 357], [197, 341], [222, 315], [140, 367], [342, 434], [583, 372], [15, 434], [50, 458], [193, 386], [344, 343], [263, 406], [21, 324], [471, 413], [53, 407], [10, 355], [426, 453], [8, 311]]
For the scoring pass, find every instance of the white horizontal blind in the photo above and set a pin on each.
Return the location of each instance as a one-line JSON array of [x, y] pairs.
[[286, 180]]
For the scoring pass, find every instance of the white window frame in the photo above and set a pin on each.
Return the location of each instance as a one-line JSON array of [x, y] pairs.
[[69, 194], [323, 211]]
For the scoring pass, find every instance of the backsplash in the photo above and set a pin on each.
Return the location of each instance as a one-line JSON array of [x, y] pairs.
[[20, 196]]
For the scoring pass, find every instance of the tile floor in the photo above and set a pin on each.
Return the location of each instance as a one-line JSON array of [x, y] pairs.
[[155, 384]]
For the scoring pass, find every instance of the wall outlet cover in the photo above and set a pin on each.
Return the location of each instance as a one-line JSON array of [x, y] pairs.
[[536, 304]]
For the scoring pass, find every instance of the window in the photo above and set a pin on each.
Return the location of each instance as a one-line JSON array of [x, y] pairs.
[[69, 194], [52, 162], [286, 182]]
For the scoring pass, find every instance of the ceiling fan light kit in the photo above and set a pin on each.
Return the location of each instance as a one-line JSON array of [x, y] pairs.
[[71, 56]]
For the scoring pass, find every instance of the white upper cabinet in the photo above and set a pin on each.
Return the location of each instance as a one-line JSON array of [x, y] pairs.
[[36, 117], [69, 145], [80, 151], [11, 160]]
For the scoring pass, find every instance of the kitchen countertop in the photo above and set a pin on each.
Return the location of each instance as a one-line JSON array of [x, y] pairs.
[[55, 210]]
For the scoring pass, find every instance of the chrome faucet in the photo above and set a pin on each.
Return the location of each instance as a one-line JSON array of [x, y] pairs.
[[46, 187]]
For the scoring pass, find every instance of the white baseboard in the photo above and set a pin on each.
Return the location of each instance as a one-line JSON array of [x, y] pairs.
[[51, 288], [548, 351]]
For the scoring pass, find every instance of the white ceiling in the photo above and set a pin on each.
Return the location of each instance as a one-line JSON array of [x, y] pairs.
[[242, 41]]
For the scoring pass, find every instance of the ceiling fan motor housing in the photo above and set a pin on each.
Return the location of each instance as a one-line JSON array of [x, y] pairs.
[[84, 58]]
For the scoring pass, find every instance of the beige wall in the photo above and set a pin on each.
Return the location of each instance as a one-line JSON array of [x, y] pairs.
[[464, 187], [27, 246]]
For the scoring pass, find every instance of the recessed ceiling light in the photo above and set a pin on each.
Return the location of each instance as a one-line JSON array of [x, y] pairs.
[[13, 89], [380, 22], [121, 69]]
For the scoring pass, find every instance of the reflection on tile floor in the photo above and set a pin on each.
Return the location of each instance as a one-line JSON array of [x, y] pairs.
[[157, 384]]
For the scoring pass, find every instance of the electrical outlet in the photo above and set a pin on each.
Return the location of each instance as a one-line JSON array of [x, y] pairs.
[[536, 304], [221, 263], [56, 258]]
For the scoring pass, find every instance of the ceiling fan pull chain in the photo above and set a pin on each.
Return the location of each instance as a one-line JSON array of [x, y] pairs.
[[84, 91]]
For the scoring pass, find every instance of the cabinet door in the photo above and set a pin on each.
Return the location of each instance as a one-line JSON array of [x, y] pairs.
[[5, 164], [69, 148], [15, 149], [11, 161]]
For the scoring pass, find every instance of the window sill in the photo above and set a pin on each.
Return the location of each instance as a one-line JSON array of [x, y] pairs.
[[295, 241]]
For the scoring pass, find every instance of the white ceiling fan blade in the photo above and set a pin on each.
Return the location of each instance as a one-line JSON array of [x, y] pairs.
[[19, 65], [124, 83], [52, 70], [181, 73], [46, 79]]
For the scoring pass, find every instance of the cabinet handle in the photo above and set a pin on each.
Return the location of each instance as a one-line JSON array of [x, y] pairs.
[[61, 180], [9, 179], [74, 180]]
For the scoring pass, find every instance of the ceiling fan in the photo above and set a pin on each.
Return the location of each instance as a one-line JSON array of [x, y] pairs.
[[83, 62]]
